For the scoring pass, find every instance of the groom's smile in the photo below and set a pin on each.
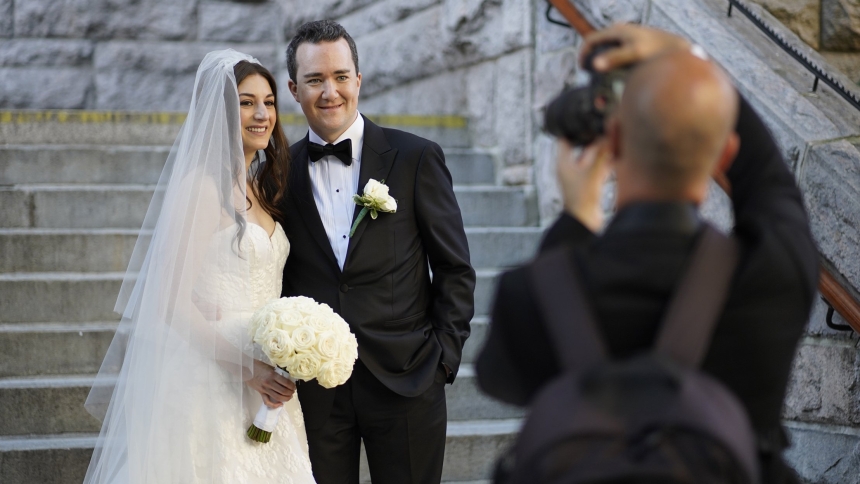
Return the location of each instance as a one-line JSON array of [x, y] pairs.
[[327, 87]]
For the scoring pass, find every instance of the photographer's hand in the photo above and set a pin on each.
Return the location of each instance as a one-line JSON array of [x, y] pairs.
[[637, 44], [582, 175]]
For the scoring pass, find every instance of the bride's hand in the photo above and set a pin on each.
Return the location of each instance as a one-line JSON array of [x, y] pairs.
[[274, 388]]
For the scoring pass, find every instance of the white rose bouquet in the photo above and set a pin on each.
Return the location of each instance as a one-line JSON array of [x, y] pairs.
[[306, 339], [375, 199]]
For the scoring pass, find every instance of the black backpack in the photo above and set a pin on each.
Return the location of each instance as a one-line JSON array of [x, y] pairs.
[[653, 418]]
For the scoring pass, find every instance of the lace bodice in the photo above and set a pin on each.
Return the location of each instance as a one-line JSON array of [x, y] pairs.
[[240, 284]]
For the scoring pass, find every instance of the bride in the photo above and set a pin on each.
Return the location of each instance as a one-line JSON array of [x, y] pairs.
[[181, 382]]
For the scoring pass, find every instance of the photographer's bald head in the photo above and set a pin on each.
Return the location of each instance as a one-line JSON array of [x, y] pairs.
[[673, 129]]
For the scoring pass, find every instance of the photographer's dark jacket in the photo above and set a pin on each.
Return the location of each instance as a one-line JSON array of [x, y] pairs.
[[629, 273]]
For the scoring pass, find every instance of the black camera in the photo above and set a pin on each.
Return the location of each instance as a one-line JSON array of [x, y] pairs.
[[578, 114]]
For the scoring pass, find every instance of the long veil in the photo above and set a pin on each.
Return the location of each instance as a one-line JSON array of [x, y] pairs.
[[185, 281]]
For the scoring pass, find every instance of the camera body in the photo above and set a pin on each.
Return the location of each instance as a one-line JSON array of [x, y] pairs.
[[578, 114]]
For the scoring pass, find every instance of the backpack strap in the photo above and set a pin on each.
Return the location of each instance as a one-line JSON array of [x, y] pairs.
[[698, 301], [566, 313]]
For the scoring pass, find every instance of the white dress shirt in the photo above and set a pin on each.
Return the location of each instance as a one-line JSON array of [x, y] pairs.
[[333, 184]]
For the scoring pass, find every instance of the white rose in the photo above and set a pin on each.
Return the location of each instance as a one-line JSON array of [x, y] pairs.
[[328, 345], [260, 325], [347, 348], [305, 366], [319, 322], [334, 373], [324, 309], [278, 346], [379, 194], [388, 205], [278, 305], [375, 190], [303, 338], [304, 305], [289, 318]]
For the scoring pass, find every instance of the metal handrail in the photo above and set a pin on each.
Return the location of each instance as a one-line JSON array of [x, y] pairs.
[[797, 54], [836, 295]]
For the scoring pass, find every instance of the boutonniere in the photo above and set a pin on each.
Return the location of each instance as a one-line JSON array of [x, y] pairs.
[[375, 199]]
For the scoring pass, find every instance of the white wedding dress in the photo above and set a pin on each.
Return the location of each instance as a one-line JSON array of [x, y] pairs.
[[213, 448], [171, 393]]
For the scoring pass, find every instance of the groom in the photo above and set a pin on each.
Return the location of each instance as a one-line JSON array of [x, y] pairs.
[[403, 281]]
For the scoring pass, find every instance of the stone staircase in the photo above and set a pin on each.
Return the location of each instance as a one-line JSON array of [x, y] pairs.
[[73, 192]]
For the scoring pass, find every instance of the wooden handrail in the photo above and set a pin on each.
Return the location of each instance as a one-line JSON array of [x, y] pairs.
[[830, 284], [573, 17], [839, 298]]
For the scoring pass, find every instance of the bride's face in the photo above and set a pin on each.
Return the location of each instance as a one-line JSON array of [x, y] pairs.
[[257, 108]]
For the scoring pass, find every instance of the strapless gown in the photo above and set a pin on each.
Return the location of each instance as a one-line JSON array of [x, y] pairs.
[[212, 446]]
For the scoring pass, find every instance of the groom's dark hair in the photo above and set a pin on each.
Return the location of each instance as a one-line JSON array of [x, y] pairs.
[[314, 33]]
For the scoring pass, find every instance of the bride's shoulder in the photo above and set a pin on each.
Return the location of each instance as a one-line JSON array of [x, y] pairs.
[[200, 182]]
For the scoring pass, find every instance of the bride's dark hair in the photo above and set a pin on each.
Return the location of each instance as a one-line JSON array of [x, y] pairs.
[[271, 182]]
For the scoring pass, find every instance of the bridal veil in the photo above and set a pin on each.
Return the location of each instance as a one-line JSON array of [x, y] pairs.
[[173, 350]]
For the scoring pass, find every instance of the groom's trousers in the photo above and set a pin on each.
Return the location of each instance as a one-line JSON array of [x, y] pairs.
[[404, 437]]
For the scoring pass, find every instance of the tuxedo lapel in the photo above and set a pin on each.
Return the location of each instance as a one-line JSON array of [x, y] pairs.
[[305, 203], [377, 156]]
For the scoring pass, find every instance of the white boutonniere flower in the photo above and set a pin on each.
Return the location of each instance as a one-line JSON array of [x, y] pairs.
[[375, 199]]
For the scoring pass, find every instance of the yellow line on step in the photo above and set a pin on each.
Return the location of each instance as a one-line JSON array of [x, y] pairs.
[[166, 118]]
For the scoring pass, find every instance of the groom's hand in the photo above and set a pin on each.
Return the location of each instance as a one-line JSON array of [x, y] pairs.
[[274, 388]]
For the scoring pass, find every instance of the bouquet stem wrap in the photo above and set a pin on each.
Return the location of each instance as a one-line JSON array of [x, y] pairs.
[[267, 418], [304, 340]]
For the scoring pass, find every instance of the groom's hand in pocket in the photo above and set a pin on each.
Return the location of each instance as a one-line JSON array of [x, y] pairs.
[[274, 388]]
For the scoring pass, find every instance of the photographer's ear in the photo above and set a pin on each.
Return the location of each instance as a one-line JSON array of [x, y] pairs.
[[727, 156]]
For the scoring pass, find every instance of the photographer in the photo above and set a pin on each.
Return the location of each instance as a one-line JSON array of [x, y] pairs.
[[679, 122]]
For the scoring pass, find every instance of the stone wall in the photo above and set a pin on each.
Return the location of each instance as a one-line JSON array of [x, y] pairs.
[[462, 57], [122, 54], [830, 26]]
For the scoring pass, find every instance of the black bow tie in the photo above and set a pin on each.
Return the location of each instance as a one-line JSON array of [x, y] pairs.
[[342, 150]]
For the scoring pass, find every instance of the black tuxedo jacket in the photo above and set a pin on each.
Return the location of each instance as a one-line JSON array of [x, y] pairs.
[[407, 323], [630, 271]]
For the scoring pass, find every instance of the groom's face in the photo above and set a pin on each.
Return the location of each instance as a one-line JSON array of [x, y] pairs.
[[327, 87]]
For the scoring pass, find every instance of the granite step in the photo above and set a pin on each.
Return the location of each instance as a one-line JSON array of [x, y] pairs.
[[466, 401], [480, 326], [471, 451], [494, 206], [88, 164], [78, 348], [46, 405], [85, 164], [112, 128], [469, 166], [74, 348], [109, 250], [74, 206], [502, 246], [47, 459], [55, 404], [59, 296], [66, 250], [80, 297], [125, 205]]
